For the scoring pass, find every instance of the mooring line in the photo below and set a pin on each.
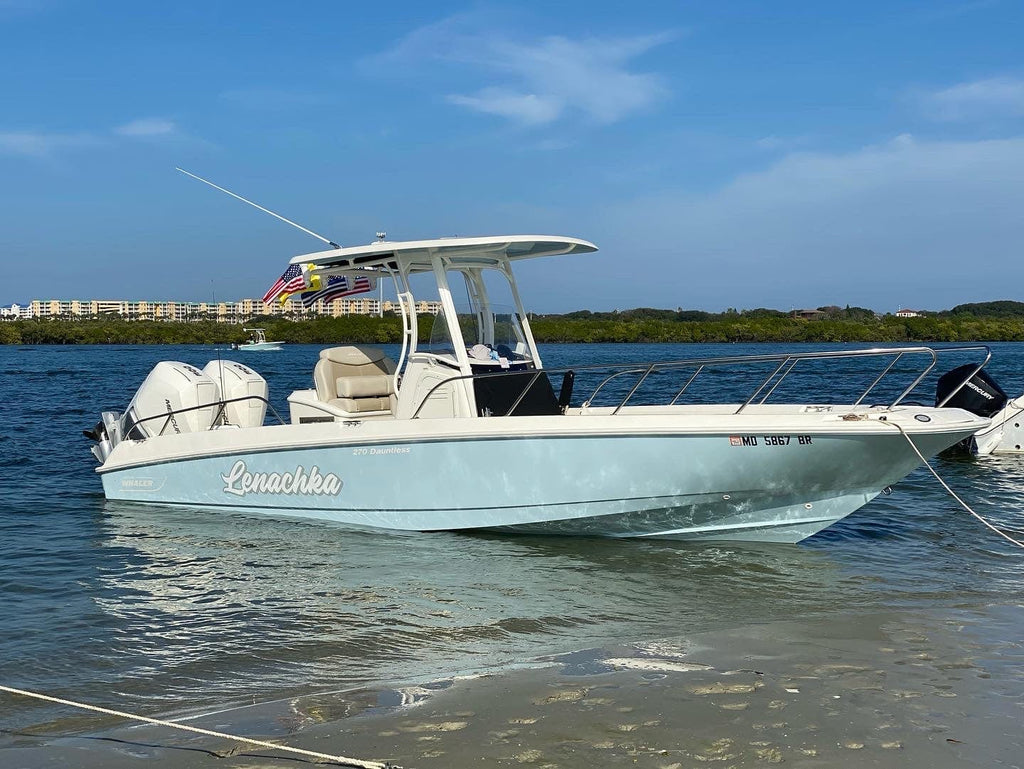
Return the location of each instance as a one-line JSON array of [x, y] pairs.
[[952, 493], [342, 760]]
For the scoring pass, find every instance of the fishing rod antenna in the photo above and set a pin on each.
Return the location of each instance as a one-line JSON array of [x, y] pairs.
[[261, 208]]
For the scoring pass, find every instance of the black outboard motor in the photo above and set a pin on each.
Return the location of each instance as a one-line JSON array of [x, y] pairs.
[[980, 394]]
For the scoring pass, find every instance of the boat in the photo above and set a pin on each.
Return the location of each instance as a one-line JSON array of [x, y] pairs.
[[1005, 435], [467, 432], [979, 393], [257, 342]]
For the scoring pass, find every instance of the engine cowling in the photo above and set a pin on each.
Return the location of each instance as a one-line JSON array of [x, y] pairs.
[[980, 394], [236, 380], [184, 396]]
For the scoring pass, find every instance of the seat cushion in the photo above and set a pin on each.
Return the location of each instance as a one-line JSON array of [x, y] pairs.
[[375, 385], [356, 405]]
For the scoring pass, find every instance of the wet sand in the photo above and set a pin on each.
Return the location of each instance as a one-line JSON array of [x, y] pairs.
[[892, 690]]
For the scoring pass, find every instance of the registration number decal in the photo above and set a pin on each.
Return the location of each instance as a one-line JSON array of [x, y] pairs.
[[769, 440]]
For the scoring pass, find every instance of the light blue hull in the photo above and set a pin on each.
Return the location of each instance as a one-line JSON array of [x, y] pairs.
[[663, 486]]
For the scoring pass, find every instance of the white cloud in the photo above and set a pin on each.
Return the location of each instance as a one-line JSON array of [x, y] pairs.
[[997, 97], [927, 224], [536, 80], [528, 108], [42, 144], [48, 144], [147, 128]]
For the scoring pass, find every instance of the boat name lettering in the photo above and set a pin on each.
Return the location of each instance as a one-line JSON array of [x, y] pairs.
[[769, 440], [239, 481], [361, 451], [136, 483]]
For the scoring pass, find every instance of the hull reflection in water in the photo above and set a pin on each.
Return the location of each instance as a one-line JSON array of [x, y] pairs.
[[330, 607]]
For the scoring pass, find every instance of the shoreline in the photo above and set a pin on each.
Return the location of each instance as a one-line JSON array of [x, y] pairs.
[[895, 689], [551, 329]]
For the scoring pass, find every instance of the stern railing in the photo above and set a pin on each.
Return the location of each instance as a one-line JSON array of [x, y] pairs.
[[221, 404]]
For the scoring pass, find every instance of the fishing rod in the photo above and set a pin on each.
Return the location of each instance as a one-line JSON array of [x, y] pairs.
[[261, 208]]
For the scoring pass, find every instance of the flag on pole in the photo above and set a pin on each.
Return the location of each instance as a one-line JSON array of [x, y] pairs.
[[338, 286], [290, 282]]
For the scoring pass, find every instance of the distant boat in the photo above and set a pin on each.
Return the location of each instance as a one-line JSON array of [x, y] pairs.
[[257, 342]]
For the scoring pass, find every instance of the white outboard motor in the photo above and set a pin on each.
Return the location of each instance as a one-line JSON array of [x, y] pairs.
[[237, 380], [106, 433], [170, 387]]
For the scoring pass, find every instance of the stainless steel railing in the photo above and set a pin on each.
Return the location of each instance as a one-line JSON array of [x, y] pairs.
[[785, 364], [764, 389], [221, 404]]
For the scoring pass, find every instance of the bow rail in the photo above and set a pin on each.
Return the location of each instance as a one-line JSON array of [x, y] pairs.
[[764, 389]]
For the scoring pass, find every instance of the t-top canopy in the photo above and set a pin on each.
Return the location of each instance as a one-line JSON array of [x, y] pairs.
[[416, 254]]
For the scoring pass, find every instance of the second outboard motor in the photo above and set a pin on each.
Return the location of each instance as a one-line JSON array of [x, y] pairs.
[[237, 381], [980, 394]]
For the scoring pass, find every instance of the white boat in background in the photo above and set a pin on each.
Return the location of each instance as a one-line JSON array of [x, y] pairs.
[[975, 391], [1005, 435], [468, 432], [257, 342]]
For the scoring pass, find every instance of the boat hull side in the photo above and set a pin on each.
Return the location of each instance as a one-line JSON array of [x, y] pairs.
[[661, 486]]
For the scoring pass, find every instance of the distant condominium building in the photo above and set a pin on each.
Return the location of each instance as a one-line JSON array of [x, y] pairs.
[[222, 312], [15, 311]]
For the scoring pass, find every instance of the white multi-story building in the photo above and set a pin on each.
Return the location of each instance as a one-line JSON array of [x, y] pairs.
[[222, 312], [15, 311]]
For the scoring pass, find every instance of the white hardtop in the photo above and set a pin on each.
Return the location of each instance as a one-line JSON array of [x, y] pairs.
[[416, 254]]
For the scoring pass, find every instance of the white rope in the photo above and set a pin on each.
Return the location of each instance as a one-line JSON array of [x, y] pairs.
[[263, 744], [952, 493]]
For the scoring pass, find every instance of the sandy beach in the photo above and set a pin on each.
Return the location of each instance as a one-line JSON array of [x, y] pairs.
[[870, 690]]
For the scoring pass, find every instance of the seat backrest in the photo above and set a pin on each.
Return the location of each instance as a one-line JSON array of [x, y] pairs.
[[349, 361]]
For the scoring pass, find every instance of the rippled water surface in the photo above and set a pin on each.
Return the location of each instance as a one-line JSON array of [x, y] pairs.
[[163, 610]]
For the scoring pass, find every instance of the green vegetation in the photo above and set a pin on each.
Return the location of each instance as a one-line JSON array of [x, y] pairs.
[[1003, 309], [354, 328], [989, 321]]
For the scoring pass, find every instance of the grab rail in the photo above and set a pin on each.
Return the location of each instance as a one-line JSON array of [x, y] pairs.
[[787, 362], [220, 412]]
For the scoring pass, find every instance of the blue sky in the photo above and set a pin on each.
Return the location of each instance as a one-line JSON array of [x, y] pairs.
[[731, 154]]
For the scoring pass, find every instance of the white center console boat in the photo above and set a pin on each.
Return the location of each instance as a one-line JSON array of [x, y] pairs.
[[257, 342], [468, 432]]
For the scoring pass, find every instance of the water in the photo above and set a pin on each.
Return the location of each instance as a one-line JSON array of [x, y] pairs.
[[165, 611]]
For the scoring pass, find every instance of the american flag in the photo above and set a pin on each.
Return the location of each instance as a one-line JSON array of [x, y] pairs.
[[338, 286], [289, 282]]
